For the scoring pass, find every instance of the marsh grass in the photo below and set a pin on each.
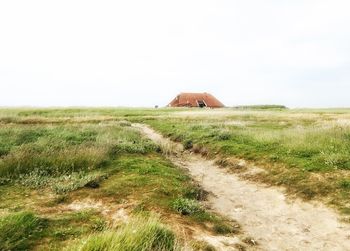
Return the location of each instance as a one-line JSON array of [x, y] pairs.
[[63, 183], [139, 234], [65, 150], [187, 206], [293, 146], [62, 150], [49, 159], [18, 230]]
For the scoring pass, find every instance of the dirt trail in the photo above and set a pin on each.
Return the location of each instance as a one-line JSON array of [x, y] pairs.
[[264, 213]]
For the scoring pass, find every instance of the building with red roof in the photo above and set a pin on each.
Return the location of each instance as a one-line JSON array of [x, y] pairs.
[[195, 100]]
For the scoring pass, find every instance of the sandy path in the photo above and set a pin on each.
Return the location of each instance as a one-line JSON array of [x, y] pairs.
[[263, 212]]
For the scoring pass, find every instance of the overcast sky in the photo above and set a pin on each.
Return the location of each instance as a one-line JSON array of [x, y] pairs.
[[142, 53]]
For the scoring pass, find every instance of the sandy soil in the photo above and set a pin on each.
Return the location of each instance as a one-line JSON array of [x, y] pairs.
[[265, 213]]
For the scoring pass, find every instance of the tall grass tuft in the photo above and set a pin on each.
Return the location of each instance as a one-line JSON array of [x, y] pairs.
[[187, 206], [140, 234], [17, 229], [65, 149]]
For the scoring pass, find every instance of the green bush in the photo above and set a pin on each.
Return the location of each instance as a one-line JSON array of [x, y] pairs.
[[187, 206], [188, 144], [17, 230]]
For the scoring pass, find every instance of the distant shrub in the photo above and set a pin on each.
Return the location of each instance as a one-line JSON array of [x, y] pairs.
[[187, 206], [188, 144], [17, 229]]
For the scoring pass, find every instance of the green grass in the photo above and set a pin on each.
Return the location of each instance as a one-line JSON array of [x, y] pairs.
[[74, 225], [226, 228], [50, 158], [187, 206], [262, 107], [139, 234], [19, 230], [294, 146], [64, 149]]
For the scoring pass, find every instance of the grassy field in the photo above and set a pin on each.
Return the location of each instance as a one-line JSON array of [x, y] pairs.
[[86, 180], [306, 151], [69, 178]]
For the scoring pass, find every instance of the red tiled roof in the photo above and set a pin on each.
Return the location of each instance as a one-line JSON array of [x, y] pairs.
[[192, 99]]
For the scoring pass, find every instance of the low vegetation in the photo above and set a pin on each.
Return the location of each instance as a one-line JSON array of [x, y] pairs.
[[304, 150], [261, 107], [140, 234], [66, 173], [75, 170], [19, 230], [187, 206]]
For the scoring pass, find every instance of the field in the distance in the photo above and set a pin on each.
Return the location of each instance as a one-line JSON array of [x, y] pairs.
[[84, 178]]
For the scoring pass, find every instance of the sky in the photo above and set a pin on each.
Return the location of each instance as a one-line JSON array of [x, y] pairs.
[[143, 53]]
